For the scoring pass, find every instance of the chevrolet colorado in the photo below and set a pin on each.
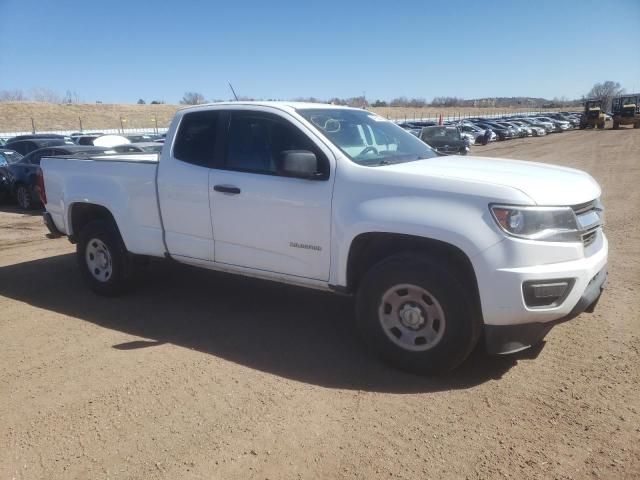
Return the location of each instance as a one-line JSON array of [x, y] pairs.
[[440, 252]]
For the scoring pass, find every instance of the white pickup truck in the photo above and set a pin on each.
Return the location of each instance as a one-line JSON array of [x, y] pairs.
[[439, 251]]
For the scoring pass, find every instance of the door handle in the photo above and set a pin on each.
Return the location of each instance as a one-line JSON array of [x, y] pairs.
[[227, 189]]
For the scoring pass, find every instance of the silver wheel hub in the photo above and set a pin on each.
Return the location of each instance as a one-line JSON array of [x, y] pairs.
[[411, 317], [98, 260]]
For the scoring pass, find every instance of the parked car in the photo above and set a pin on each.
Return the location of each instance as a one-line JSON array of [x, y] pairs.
[[573, 122], [548, 127], [477, 132], [536, 130], [7, 157], [440, 252], [37, 136], [558, 125], [445, 139], [26, 146], [516, 129], [503, 133], [416, 127], [140, 138], [22, 175], [146, 147], [525, 130], [86, 140]]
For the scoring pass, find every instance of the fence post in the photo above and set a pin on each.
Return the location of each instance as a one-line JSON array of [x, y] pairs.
[[80, 121], [33, 126]]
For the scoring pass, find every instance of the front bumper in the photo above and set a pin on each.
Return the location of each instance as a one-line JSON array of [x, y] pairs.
[[502, 269], [503, 339]]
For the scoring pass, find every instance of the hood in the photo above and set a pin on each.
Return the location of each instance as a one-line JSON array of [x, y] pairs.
[[545, 184]]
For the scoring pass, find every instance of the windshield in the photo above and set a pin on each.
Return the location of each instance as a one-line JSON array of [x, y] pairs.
[[10, 157], [367, 138]]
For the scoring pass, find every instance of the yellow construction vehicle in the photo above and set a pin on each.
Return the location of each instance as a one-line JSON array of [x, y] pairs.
[[593, 115], [626, 110]]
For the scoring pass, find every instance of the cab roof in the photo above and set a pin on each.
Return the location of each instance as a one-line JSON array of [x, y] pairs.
[[282, 105]]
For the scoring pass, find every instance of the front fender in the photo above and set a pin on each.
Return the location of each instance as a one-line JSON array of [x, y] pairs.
[[467, 226]]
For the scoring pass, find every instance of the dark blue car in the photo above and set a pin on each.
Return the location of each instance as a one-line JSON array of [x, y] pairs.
[[7, 157], [22, 176]]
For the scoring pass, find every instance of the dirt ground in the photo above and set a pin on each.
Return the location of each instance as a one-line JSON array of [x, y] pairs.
[[197, 375]]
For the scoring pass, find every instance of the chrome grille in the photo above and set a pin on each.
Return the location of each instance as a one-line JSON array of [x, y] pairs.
[[589, 217], [590, 237], [584, 207]]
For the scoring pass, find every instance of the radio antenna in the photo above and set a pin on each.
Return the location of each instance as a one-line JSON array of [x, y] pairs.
[[234, 92]]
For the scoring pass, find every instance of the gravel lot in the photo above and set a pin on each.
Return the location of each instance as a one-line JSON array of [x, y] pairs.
[[200, 375]]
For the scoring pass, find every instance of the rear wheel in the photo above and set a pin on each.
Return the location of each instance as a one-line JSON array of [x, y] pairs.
[[636, 125], [23, 197], [103, 258], [416, 315]]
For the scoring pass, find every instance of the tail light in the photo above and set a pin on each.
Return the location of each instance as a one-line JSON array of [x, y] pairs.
[[41, 190]]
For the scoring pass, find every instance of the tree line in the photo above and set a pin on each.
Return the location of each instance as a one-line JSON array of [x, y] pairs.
[[604, 91]]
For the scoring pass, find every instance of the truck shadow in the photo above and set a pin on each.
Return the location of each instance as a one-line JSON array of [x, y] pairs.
[[293, 332]]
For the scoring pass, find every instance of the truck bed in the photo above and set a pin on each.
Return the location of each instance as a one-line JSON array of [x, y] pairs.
[[124, 184]]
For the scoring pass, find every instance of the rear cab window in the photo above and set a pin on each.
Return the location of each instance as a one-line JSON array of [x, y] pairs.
[[195, 141]]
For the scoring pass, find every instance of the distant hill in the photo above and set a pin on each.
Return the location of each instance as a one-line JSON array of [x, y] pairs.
[[17, 116]]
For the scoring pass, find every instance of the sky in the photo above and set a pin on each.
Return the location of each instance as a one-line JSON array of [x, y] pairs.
[[119, 51]]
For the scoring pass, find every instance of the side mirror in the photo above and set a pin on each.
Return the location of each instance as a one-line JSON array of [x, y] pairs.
[[298, 164]]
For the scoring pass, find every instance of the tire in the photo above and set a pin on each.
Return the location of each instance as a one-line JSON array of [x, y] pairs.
[[616, 125], [103, 259], [636, 125], [397, 322], [23, 197]]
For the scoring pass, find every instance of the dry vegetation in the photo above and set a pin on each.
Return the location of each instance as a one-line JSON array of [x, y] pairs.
[[16, 116]]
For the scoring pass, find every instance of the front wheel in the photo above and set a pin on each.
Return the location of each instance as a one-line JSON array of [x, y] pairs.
[[416, 315], [103, 258]]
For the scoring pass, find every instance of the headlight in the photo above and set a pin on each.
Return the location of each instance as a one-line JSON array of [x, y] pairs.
[[549, 224]]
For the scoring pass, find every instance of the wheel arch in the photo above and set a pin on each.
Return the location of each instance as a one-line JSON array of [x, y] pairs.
[[368, 249], [81, 213]]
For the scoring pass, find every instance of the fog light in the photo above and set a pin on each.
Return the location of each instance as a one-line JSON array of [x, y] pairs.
[[546, 293]]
